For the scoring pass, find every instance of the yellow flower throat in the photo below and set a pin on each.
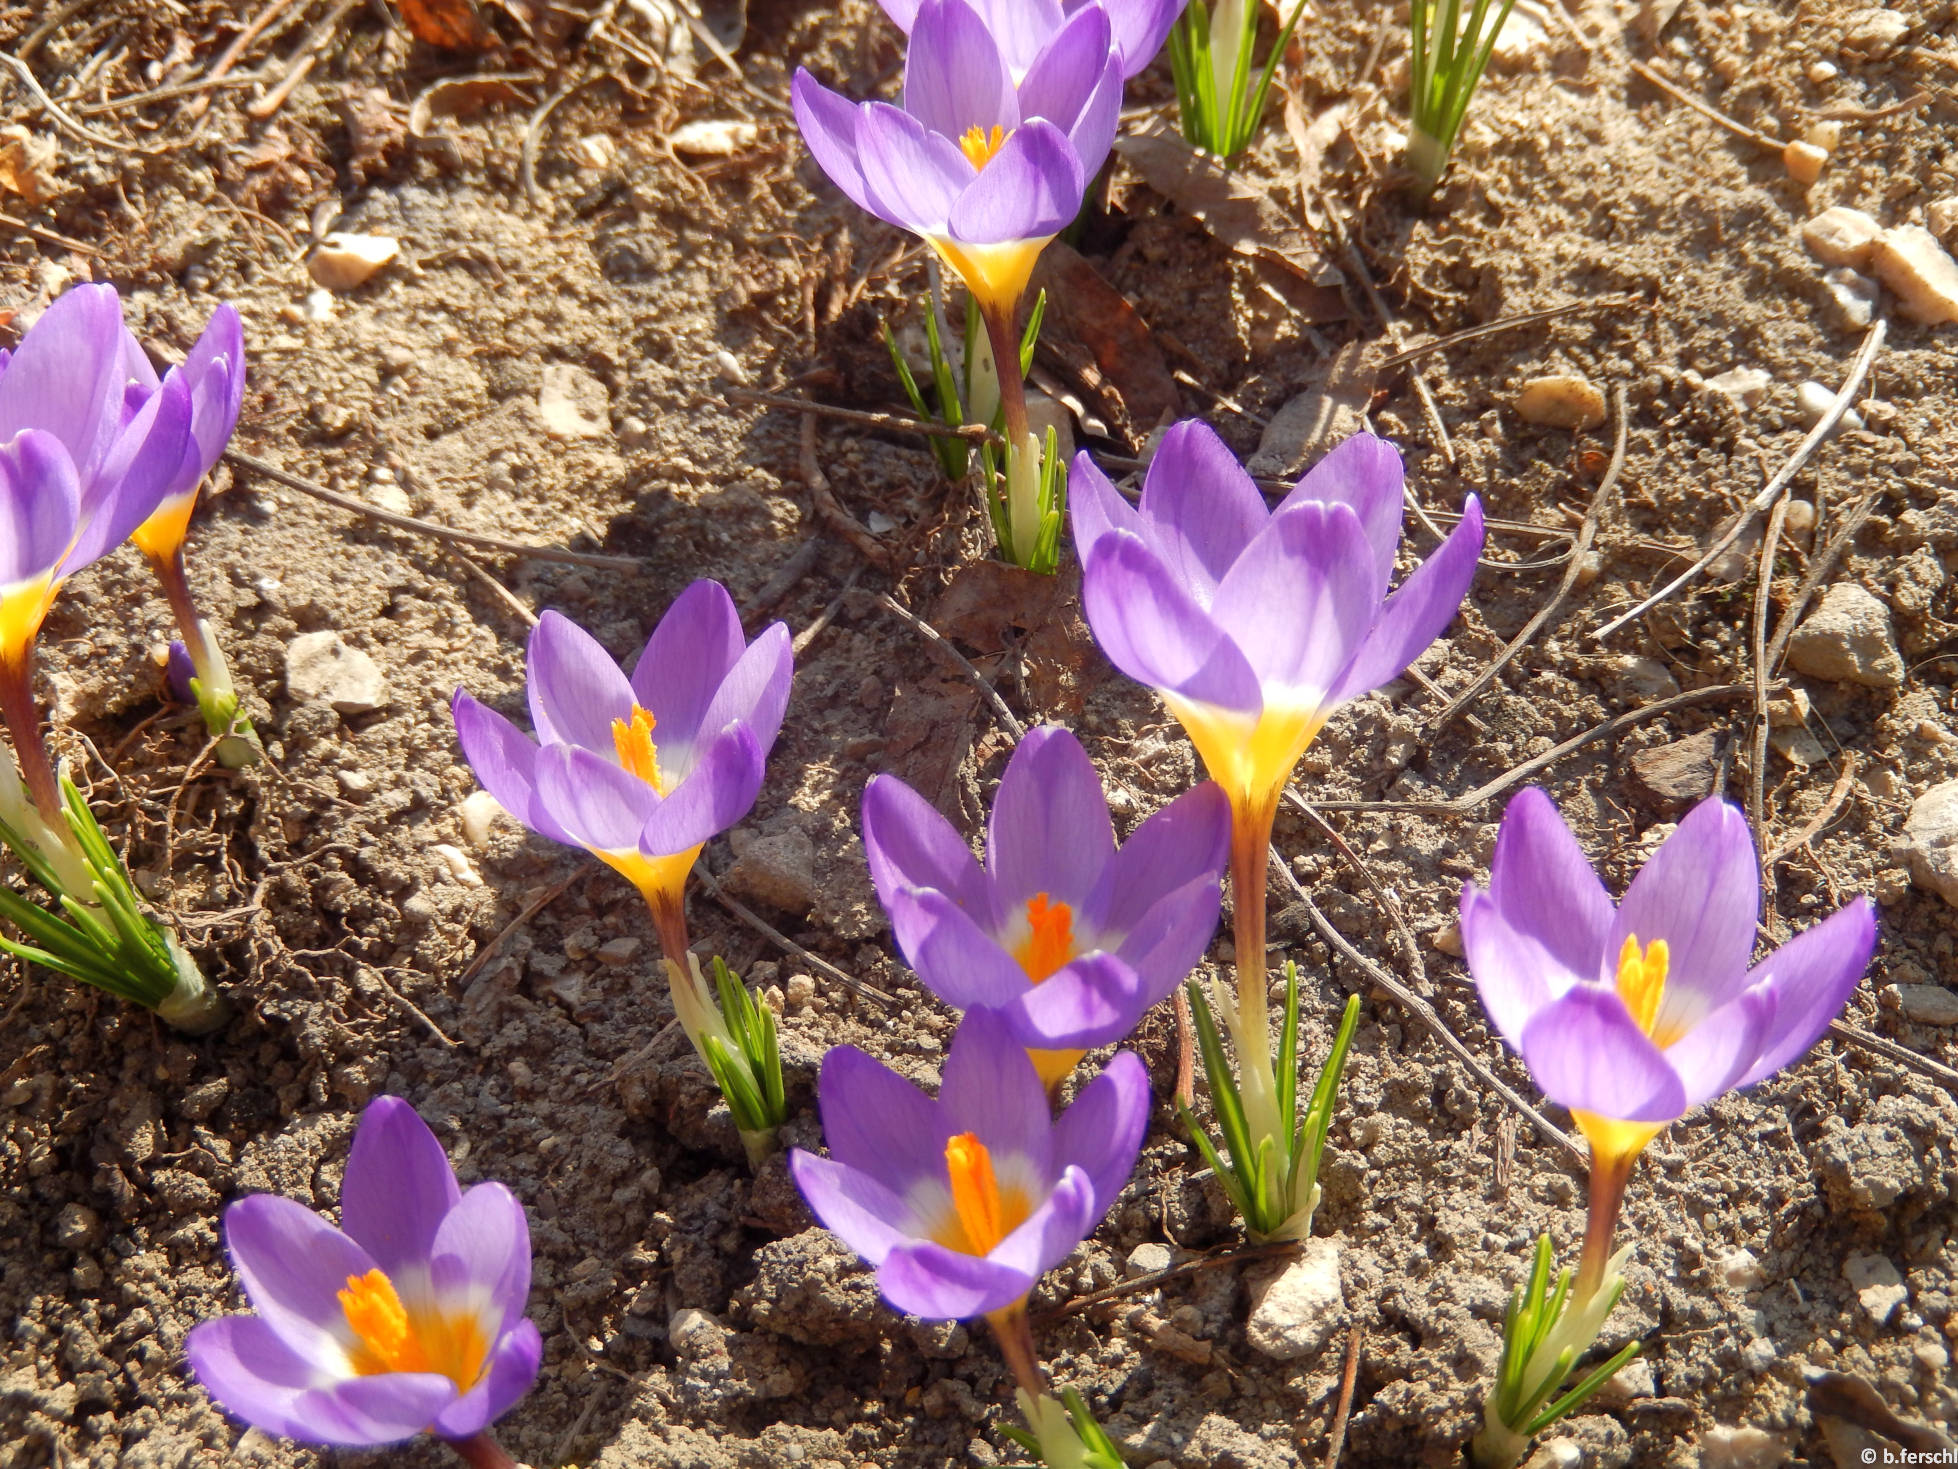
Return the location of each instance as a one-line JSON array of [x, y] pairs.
[[983, 1213], [389, 1337], [637, 753], [979, 145]]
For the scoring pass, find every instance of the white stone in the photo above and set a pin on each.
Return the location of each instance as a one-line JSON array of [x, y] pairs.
[[1930, 842], [1522, 36], [1147, 1259], [1747, 386], [1911, 262], [1644, 678], [714, 137], [1740, 1270], [457, 863], [1804, 162], [1927, 1004], [1813, 401], [1561, 400], [1556, 1453], [1825, 133], [320, 666], [778, 869], [478, 812], [346, 261], [1823, 71], [1878, 1285], [1848, 639], [1448, 939], [566, 401], [1853, 294], [1294, 1312], [1874, 30], [1742, 1448], [319, 305], [1841, 236]]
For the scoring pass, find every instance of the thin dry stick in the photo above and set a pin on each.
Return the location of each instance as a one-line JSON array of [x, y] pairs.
[[66, 123], [503, 593], [302, 64], [1757, 775], [938, 640], [768, 931], [1838, 793], [236, 49], [799, 644], [241, 460], [1248, 1255], [1585, 535], [49, 237], [1348, 1379], [1858, 370], [1706, 109], [1902, 1055], [1505, 324], [531, 910], [1465, 805], [1428, 1016], [1388, 904], [534, 133], [1818, 572], [971, 432], [829, 507], [166, 94], [411, 1007]]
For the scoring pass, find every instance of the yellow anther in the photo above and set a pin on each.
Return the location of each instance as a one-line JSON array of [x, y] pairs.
[[979, 145], [388, 1337], [1050, 938], [637, 753], [1642, 980]]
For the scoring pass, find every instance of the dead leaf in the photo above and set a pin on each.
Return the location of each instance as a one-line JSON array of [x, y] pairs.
[[1129, 364], [459, 97], [452, 24], [1240, 215], [1313, 140], [1838, 1395], [375, 128], [992, 608], [27, 165]]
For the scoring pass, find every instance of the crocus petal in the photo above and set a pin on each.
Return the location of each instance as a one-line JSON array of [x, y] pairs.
[[66, 378], [1051, 1232], [1363, 471], [1201, 508], [255, 1375], [1700, 892], [1416, 614], [829, 130], [505, 761], [909, 844], [1548, 892], [684, 664], [1141, 27], [954, 77], [1073, 85], [903, 13], [718, 792], [1513, 973], [1101, 1131], [398, 1185], [1090, 1001], [133, 476], [1095, 506], [756, 690], [1153, 630], [576, 690], [1030, 190], [40, 501], [1811, 977], [214, 371], [911, 176], [927, 1280], [991, 1088], [877, 1124], [1585, 1051], [852, 1205], [1299, 600], [507, 1376], [1019, 28], [1188, 839], [1050, 831], [479, 1259], [958, 960], [1712, 1057], [599, 805], [293, 1266], [1166, 945]]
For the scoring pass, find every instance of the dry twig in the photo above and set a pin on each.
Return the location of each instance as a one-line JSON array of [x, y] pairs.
[[768, 931], [938, 641]]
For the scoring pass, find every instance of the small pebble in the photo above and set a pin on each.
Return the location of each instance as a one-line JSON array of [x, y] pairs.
[[318, 306], [1814, 401], [1739, 1270], [1822, 71], [1799, 519], [1911, 262], [478, 812], [1826, 134], [344, 261], [1561, 400], [457, 862], [617, 951], [1841, 236], [1874, 31], [714, 137], [1926, 1004], [1853, 294], [801, 989], [1747, 386], [1448, 939], [1804, 162]]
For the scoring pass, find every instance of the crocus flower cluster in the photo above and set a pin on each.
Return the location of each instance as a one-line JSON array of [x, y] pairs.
[[406, 1319]]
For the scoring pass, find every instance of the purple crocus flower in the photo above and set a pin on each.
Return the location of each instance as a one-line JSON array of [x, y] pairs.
[[86, 454], [409, 1318], [1633, 1015], [214, 374], [987, 159], [963, 1202], [1022, 28], [1254, 625], [1069, 938], [639, 771]]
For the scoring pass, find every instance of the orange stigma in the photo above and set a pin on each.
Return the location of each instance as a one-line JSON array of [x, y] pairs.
[[983, 1213], [388, 1337], [1050, 938], [634, 742], [979, 145]]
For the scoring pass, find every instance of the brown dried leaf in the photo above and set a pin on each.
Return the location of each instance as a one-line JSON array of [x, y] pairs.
[[452, 24], [459, 97], [1130, 365], [1240, 215], [27, 165]]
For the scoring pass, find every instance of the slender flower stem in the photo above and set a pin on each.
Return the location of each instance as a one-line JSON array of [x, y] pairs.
[[170, 571], [1250, 848], [1609, 1175], [670, 923], [482, 1451], [1006, 363], [1014, 1329], [23, 722]]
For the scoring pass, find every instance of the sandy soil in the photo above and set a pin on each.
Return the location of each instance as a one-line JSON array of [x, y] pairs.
[[569, 252]]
